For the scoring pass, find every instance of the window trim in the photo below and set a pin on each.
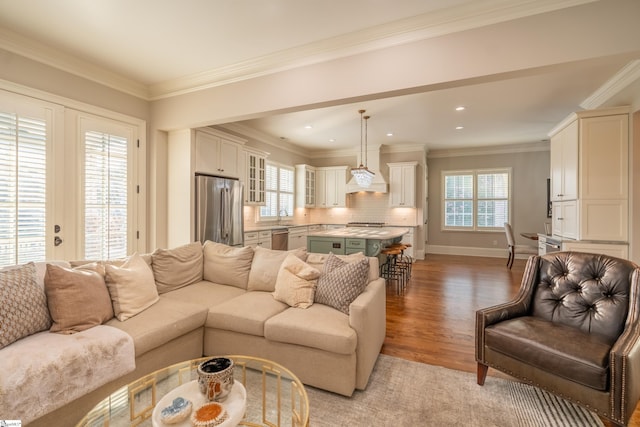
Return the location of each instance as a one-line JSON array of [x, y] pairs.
[[475, 199]]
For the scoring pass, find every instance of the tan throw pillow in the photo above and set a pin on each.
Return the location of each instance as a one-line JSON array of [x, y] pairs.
[[77, 298], [23, 304], [296, 282], [227, 265], [265, 266], [341, 282], [131, 286], [178, 267]]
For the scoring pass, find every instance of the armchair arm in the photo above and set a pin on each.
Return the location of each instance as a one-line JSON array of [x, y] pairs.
[[519, 306], [624, 359], [368, 317]]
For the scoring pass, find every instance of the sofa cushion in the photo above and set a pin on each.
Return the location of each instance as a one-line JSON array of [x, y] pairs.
[[167, 319], [178, 267], [131, 286], [205, 293], [341, 282], [296, 282], [319, 326], [552, 347], [23, 304], [77, 298], [246, 313], [226, 264], [265, 266]]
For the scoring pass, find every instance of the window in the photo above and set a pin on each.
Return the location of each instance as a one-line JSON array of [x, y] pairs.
[[105, 196], [279, 193], [476, 199], [23, 195]]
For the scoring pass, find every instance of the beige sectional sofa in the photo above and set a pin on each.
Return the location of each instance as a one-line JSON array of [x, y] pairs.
[[327, 325]]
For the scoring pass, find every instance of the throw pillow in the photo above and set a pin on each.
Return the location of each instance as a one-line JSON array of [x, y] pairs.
[[296, 282], [341, 282], [227, 265], [131, 286], [23, 304], [78, 299], [178, 267], [266, 265]]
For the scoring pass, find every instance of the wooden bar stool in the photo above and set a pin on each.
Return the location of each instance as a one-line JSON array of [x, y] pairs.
[[404, 260], [390, 269]]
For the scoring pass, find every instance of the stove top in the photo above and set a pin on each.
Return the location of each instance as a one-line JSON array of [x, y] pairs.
[[365, 224]]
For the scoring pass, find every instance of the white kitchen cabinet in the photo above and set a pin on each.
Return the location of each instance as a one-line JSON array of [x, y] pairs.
[[402, 184], [597, 182], [258, 238], [565, 219], [564, 163], [331, 187], [305, 186], [616, 250], [297, 237], [254, 177], [217, 153]]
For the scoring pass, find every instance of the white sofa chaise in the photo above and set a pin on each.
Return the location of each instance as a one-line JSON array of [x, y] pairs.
[[213, 299]]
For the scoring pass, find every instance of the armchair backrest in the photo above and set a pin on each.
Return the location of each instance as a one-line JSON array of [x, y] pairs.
[[587, 291]]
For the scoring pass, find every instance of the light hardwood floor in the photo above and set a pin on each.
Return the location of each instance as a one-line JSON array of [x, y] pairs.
[[434, 321]]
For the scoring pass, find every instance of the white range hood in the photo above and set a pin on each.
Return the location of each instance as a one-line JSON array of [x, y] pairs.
[[379, 185]]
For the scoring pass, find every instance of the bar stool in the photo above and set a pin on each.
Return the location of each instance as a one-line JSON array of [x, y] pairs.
[[390, 269], [404, 260]]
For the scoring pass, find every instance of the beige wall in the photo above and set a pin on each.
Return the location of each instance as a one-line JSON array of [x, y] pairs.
[[634, 219], [530, 171]]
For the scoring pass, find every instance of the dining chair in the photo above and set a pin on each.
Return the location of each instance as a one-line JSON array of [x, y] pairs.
[[513, 248]]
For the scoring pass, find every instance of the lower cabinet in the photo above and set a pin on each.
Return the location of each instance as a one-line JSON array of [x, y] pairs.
[[617, 250], [297, 238], [355, 245], [324, 245], [258, 238]]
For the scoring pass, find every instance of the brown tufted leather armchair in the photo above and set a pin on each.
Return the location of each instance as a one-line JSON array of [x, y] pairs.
[[573, 330]]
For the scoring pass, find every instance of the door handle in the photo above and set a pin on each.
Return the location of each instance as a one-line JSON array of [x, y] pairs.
[[57, 241]]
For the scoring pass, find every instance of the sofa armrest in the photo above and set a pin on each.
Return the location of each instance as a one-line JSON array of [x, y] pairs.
[[624, 359], [368, 317], [519, 306]]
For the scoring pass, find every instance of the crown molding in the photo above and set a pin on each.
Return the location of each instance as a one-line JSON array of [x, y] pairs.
[[39, 52], [468, 16], [416, 28], [629, 74], [265, 138], [490, 150]]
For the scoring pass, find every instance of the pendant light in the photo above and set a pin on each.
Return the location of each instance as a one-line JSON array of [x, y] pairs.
[[362, 174]]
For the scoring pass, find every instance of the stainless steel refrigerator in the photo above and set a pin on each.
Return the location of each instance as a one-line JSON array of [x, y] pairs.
[[219, 210]]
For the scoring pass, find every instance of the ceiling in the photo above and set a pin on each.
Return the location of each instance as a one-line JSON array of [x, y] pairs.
[[163, 47]]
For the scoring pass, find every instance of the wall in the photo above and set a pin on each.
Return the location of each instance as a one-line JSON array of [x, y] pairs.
[[530, 170], [634, 220]]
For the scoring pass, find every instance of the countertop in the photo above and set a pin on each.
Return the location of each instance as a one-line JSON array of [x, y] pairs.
[[285, 226], [377, 233]]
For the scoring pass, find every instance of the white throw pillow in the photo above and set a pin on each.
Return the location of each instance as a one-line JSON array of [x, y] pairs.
[[227, 265], [131, 286], [296, 282]]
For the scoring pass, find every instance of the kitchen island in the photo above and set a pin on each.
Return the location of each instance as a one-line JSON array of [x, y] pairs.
[[349, 240]]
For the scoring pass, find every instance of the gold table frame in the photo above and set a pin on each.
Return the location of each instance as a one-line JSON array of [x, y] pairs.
[[275, 396]]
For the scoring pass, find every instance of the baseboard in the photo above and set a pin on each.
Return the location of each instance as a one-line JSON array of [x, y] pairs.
[[471, 251]]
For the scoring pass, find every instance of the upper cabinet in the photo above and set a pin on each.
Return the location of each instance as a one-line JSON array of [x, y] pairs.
[[254, 176], [217, 153], [402, 184], [331, 187], [305, 186], [590, 175], [564, 163]]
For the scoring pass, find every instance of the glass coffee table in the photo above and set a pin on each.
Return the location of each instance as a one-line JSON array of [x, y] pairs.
[[274, 396]]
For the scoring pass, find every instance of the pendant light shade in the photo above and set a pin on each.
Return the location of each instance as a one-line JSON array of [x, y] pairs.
[[362, 174]]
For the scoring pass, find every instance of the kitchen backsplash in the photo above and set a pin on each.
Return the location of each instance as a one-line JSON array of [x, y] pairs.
[[363, 207]]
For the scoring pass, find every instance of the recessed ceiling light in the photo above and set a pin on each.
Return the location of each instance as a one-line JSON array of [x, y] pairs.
[[308, 127], [390, 134], [332, 140], [459, 127], [460, 108]]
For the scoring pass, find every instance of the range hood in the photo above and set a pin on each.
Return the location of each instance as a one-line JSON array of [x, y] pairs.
[[379, 185]]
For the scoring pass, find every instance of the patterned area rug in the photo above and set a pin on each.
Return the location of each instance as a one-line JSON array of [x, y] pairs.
[[405, 393]]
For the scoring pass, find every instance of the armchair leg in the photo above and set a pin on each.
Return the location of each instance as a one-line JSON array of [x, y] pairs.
[[482, 373]]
